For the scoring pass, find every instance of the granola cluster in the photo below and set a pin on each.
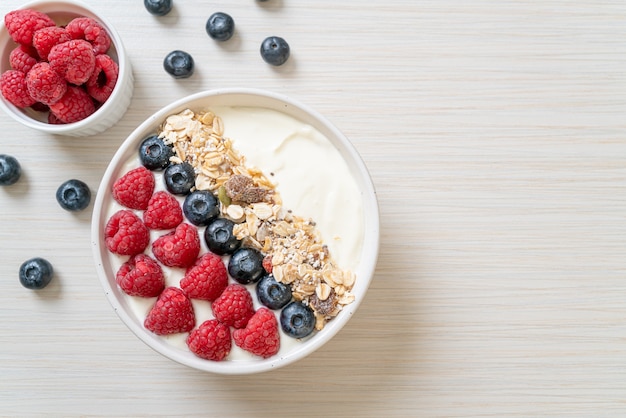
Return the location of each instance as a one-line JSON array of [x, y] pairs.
[[293, 244]]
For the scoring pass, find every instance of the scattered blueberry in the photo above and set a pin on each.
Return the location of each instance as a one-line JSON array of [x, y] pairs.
[[200, 207], [219, 236], [271, 293], [220, 26], [10, 170], [158, 7], [36, 273], [154, 153], [73, 195], [179, 64], [297, 320], [246, 265], [179, 178], [275, 50]]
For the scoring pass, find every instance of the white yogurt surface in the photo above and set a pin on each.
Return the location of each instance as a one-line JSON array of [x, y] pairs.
[[310, 175]]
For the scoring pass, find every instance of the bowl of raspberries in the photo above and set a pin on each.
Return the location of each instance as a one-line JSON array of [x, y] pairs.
[[63, 69], [235, 231]]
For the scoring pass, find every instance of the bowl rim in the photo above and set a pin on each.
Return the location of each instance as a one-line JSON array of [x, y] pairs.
[[369, 251], [122, 61]]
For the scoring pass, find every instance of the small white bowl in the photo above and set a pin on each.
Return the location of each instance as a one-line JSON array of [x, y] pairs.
[[105, 261], [115, 106]]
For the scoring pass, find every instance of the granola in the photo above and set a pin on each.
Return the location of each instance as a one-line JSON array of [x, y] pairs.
[[250, 199]]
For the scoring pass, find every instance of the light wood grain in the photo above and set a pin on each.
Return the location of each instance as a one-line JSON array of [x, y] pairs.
[[495, 135]]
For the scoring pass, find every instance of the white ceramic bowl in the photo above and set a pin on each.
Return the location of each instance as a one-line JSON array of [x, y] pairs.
[[110, 112], [249, 98]]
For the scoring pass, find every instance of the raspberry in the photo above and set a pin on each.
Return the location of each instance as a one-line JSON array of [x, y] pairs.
[[22, 24], [206, 279], [53, 120], [44, 84], [134, 189], [125, 234], [46, 38], [210, 341], [23, 58], [260, 337], [179, 248], [234, 306], [75, 105], [141, 276], [90, 30], [74, 60], [103, 79], [14, 89], [172, 313], [163, 212], [72, 52], [267, 264]]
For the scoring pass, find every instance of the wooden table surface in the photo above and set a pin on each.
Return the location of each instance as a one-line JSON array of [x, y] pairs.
[[495, 134]]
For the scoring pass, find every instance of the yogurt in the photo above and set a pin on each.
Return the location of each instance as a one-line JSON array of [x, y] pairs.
[[310, 174], [313, 180]]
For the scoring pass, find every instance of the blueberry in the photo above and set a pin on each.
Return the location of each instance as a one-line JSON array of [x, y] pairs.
[[271, 293], [10, 170], [154, 153], [219, 237], [73, 195], [275, 50], [246, 265], [179, 178], [179, 64], [220, 26], [297, 320], [158, 7], [36, 273], [200, 207]]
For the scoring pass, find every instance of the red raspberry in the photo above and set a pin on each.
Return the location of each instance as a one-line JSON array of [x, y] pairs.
[[267, 264], [90, 30], [172, 313], [234, 306], [141, 276], [134, 189], [46, 38], [206, 279], [75, 105], [74, 60], [23, 58], [260, 337], [53, 120], [179, 248], [44, 84], [21, 24], [14, 89], [102, 82], [125, 234], [163, 212], [210, 341]]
